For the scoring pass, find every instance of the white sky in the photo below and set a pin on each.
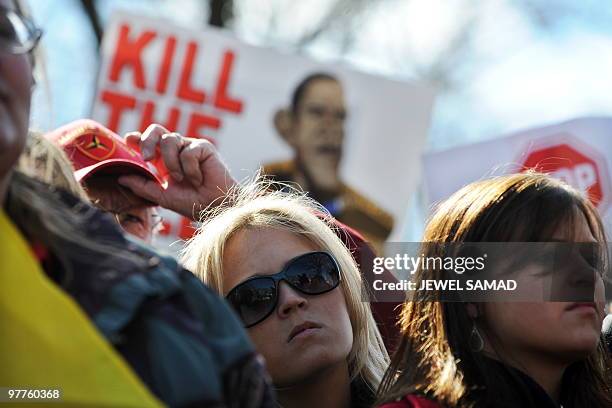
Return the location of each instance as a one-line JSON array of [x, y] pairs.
[[516, 75]]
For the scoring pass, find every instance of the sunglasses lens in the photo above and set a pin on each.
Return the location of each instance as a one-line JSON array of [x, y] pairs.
[[313, 273], [253, 300]]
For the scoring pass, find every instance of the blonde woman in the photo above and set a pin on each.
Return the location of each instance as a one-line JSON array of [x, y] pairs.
[[297, 290]]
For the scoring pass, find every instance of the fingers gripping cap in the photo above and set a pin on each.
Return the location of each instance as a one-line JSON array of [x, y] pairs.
[[95, 149]]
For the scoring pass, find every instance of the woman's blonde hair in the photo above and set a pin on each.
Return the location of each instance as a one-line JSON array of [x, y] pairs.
[[255, 205], [47, 162]]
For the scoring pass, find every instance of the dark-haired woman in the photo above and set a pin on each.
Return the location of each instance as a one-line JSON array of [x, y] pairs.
[[504, 354]]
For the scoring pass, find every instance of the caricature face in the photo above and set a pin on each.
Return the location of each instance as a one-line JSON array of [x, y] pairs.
[[290, 358], [317, 132]]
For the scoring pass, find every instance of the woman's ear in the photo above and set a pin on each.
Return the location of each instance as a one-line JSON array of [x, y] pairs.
[[472, 310]]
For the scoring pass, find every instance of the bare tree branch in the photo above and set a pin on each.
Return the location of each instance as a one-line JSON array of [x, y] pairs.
[[342, 10], [221, 12], [456, 55], [89, 7]]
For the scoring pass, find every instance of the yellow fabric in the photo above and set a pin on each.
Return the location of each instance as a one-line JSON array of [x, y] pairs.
[[46, 341]]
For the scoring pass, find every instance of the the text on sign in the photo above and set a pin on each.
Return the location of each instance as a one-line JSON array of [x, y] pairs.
[[128, 59]]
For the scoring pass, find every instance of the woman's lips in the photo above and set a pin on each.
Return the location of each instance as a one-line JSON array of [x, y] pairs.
[[582, 306], [303, 328]]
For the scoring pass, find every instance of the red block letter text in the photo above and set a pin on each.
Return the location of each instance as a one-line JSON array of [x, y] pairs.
[[128, 53]]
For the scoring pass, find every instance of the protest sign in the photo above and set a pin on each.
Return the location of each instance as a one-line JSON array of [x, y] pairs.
[[206, 83], [578, 151]]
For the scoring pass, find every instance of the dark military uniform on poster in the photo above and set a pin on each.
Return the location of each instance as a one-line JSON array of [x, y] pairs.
[[349, 207]]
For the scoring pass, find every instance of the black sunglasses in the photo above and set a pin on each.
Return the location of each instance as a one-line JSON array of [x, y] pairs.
[[256, 298]]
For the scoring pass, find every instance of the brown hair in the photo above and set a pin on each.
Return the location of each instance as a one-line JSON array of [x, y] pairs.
[[434, 358]]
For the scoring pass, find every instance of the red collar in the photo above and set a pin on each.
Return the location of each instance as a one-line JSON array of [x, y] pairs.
[[40, 251]]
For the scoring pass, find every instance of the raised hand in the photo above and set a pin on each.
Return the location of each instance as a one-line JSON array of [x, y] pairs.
[[195, 174]]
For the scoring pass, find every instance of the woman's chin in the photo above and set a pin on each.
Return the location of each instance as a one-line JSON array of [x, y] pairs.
[[580, 346]]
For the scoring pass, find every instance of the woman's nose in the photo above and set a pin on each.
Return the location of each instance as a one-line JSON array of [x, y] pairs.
[[290, 300]]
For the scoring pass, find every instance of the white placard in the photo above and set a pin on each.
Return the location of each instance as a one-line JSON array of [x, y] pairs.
[[206, 83]]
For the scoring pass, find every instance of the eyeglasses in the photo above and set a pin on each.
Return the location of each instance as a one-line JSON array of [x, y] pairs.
[[256, 298], [125, 218], [18, 34], [157, 222]]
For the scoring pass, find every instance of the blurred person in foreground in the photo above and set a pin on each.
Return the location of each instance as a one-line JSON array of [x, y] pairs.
[[314, 127], [507, 354], [85, 311], [298, 291]]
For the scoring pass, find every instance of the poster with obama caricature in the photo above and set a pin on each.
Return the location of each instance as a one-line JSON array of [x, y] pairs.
[[351, 140]]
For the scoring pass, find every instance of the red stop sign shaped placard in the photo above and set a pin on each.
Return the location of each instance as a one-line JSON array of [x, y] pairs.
[[567, 161]]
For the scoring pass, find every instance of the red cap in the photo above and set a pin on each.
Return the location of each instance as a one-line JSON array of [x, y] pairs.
[[92, 148]]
